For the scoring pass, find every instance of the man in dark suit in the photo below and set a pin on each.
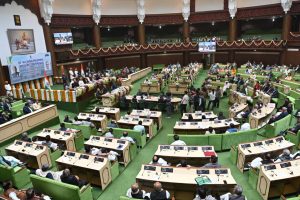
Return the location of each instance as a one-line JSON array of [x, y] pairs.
[[283, 114], [6, 106], [27, 109]]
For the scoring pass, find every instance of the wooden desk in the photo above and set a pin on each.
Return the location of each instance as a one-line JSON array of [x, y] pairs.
[[130, 121], [64, 139], [110, 99], [195, 156], [178, 88], [237, 97], [201, 127], [279, 179], [24, 123], [236, 108], [180, 181], [136, 76], [113, 113], [197, 116], [248, 151], [117, 145], [151, 88], [264, 97], [260, 117], [94, 169], [99, 120], [33, 154], [155, 115]]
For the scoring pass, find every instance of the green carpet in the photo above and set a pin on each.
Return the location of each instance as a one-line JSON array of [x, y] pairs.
[[119, 186]]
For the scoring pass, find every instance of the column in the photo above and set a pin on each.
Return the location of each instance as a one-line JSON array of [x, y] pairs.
[[97, 36], [186, 58], [2, 80], [282, 57], [232, 35], [49, 45], [141, 33], [186, 31], [231, 56], [143, 61], [286, 26]]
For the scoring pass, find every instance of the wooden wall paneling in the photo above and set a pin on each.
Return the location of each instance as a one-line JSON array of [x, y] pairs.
[[121, 62], [268, 58], [221, 57], [292, 57], [168, 58]]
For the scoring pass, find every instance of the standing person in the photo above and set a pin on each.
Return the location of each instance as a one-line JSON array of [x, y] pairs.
[[169, 106], [218, 97], [212, 98], [184, 102], [7, 87], [202, 102]]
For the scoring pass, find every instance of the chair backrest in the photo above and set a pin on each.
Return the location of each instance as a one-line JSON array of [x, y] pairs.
[[6, 173], [136, 135]]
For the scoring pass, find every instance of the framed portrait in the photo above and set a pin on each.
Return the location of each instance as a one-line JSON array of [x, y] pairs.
[[21, 41], [17, 20]]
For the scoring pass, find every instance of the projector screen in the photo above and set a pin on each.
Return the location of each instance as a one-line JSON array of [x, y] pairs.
[[29, 67], [207, 47], [63, 38]]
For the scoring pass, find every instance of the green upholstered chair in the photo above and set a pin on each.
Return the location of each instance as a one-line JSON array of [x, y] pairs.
[[59, 190], [114, 169], [126, 198], [233, 139], [289, 198], [136, 135], [233, 154], [253, 177], [16, 103], [133, 151], [18, 175], [274, 129], [79, 141], [294, 138], [216, 141], [199, 140], [133, 105], [1, 190], [54, 156], [161, 107], [17, 110]]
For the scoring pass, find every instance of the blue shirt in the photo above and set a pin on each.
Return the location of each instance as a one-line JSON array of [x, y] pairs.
[[231, 130]]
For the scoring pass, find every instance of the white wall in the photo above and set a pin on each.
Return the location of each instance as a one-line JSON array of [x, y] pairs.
[[250, 3], [28, 21], [119, 7], [72, 7], [163, 6], [208, 5]]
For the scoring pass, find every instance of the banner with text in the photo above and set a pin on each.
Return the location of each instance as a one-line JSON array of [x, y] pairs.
[[29, 67]]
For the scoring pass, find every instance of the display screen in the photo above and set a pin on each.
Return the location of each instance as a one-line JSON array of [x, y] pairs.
[[207, 47], [29, 67], [202, 171], [168, 170], [63, 38]]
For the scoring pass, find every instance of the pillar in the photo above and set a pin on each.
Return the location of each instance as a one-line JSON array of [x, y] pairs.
[[49, 45], [186, 58], [232, 35], [231, 56], [282, 57], [143, 61], [2, 81], [186, 31], [141, 34], [97, 36], [286, 26]]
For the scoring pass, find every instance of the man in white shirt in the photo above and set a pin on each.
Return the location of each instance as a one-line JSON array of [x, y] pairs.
[[126, 137], [158, 161], [177, 141], [76, 121], [245, 126], [212, 98], [109, 134], [184, 102], [140, 128], [135, 192], [8, 89]]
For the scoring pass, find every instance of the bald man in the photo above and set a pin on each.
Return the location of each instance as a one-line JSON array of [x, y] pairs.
[[135, 192], [159, 193]]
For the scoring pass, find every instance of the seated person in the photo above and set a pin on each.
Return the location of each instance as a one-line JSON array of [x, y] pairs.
[[25, 138], [36, 105], [77, 121], [113, 124], [67, 119], [231, 129], [140, 127], [53, 146], [280, 115], [92, 150], [126, 137], [257, 162], [45, 172], [158, 161], [109, 133], [210, 131], [135, 192], [32, 195], [158, 193], [177, 141], [12, 193], [245, 126], [213, 163], [88, 122], [296, 128], [67, 177], [202, 194], [183, 163], [285, 156], [111, 155], [27, 109], [10, 161], [221, 116], [237, 194], [62, 127]]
